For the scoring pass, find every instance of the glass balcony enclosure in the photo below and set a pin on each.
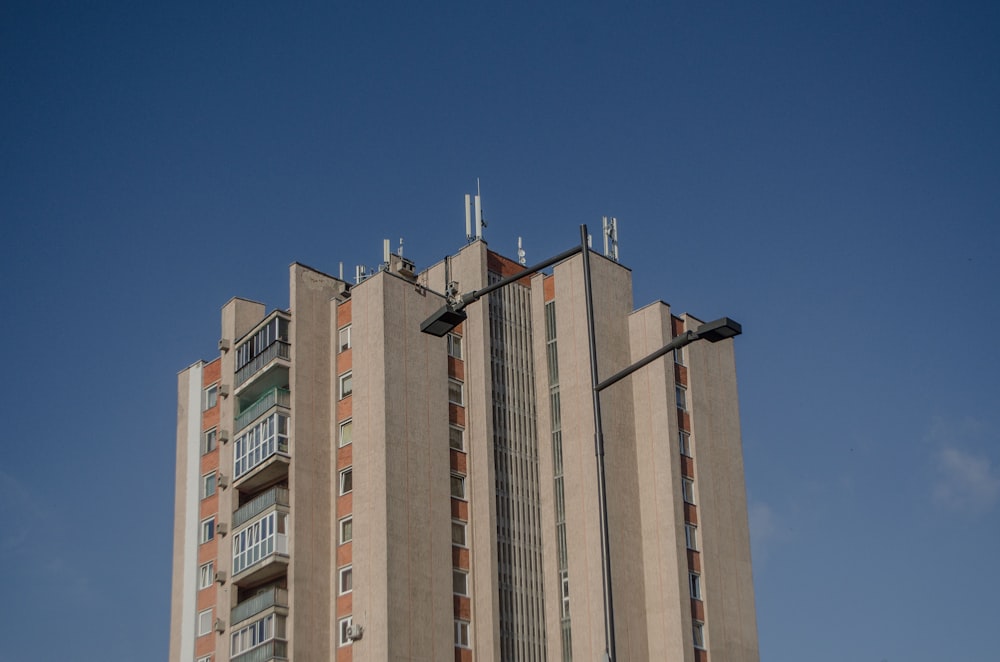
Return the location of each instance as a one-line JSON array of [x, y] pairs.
[[262, 357], [249, 411], [260, 549], [261, 452]]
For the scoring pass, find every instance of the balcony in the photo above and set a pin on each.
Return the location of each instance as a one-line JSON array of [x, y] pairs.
[[272, 650], [260, 549], [276, 496], [276, 397], [276, 598], [266, 370], [261, 453]]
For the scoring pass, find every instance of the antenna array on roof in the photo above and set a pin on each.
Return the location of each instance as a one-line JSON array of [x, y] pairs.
[[474, 202], [610, 237]]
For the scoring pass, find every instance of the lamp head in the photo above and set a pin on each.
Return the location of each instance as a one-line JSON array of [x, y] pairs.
[[444, 320], [718, 330]]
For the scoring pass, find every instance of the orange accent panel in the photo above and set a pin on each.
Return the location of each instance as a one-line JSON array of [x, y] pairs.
[[345, 456], [690, 513], [687, 466], [681, 374], [549, 288], [208, 507], [343, 407], [344, 604], [345, 361], [210, 418], [209, 461], [460, 509], [211, 373], [345, 504], [344, 653], [700, 655], [460, 557], [459, 462], [344, 553], [456, 368], [676, 326], [456, 414], [697, 610], [463, 655], [344, 313], [463, 607], [694, 561], [209, 551], [683, 420], [205, 645], [205, 598]]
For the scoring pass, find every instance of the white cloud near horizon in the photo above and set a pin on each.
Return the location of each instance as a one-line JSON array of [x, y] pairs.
[[964, 480]]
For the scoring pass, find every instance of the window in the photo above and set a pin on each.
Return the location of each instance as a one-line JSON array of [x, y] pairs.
[[458, 486], [460, 582], [346, 530], [209, 441], [462, 634], [345, 338], [207, 530], [346, 480], [694, 580], [456, 395], [679, 356], [257, 444], [346, 433], [210, 397], [206, 575], [207, 658], [456, 438], [458, 533], [454, 345], [698, 633], [204, 622], [346, 385], [257, 633], [564, 589], [687, 484], [207, 485], [681, 394], [344, 630], [691, 536], [345, 580], [684, 439]]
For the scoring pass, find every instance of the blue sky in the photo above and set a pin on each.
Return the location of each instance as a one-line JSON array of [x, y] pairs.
[[825, 173]]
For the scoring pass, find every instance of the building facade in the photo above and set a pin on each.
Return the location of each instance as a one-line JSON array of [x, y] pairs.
[[349, 488]]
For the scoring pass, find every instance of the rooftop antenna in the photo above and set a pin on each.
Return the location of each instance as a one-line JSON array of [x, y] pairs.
[[385, 253], [610, 237], [520, 252], [468, 218], [400, 247], [341, 270], [480, 223], [359, 273]]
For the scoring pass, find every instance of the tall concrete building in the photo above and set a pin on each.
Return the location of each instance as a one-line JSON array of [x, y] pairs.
[[349, 488]]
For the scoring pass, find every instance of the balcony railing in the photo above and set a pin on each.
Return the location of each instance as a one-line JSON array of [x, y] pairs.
[[277, 349], [272, 650], [260, 503], [276, 396], [272, 597]]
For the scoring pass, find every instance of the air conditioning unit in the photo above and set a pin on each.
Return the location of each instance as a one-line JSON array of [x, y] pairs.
[[220, 576], [222, 480], [224, 344], [222, 435], [355, 632], [224, 390], [220, 625], [222, 528]]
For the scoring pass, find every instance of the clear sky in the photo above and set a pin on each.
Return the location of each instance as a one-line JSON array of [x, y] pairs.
[[827, 173]]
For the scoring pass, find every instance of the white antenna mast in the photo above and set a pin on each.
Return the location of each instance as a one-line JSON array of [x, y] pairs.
[[468, 217], [610, 237], [400, 247], [480, 224], [520, 252], [385, 252], [341, 270]]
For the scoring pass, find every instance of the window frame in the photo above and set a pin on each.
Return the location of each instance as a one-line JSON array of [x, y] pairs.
[[349, 522], [463, 637], [687, 490], [680, 396], [464, 574], [210, 397], [451, 486], [694, 585], [346, 474], [349, 425], [206, 575], [679, 356], [348, 572], [461, 391], [454, 340], [341, 346], [209, 440], [343, 626], [698, 634], [348, 378], [461, 432], [691, 536], [200, 622], [209, 485], [464, 527], [684, 441], [206, 532]]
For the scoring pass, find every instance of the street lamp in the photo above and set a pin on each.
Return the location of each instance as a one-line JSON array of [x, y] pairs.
[[453, 313]]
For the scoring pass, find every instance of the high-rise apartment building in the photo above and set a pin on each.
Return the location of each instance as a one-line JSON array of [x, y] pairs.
[[349, 488]]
